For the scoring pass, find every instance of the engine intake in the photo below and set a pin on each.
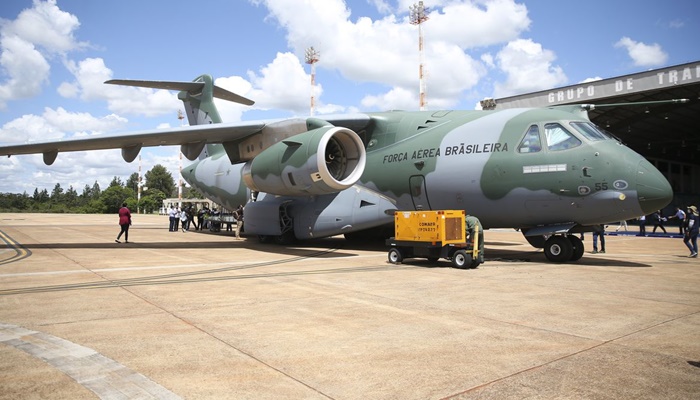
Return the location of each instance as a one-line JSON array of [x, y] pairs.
[[321, 161]]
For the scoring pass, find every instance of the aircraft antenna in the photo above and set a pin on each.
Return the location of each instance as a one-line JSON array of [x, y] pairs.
[[417, 15], [311, 56]]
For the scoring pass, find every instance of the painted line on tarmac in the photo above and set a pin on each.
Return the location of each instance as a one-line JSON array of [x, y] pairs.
[[156, 267], [20, 251], [103, 376]]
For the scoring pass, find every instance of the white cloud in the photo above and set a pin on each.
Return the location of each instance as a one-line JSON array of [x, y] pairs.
[[587, 80], [643, 55], [47, 26], [676, 24], [473, 24], [385, 50], [90, 75], [26, 68], [56, 124], [29, 128], [282, 84], [75, 122], [26, 42], [397, 98], [528, 67]]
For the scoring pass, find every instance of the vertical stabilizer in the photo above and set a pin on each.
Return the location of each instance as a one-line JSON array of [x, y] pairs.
[[199, 104], [201, 110]]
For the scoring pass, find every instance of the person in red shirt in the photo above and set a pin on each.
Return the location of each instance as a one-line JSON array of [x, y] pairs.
[[124, 223]]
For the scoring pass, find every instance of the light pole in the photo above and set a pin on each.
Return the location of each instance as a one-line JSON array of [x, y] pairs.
[[417, 15], [311, 56], [138, 189], [181, 117]]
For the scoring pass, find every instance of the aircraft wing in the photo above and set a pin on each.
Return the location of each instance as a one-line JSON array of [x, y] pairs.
[[195, 136], [133, 142]]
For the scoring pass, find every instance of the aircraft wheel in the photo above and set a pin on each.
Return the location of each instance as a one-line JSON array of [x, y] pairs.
[[558, 249], [461, 259], [395, 256], [578, 248]]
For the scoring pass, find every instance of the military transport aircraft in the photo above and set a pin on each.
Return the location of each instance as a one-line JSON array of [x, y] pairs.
[[548, 172]]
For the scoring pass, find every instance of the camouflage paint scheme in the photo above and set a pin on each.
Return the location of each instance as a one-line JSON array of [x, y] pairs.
[[343, 174]]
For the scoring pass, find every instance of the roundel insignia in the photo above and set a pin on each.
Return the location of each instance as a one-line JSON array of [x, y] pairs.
[[620, 184], [584, 190]]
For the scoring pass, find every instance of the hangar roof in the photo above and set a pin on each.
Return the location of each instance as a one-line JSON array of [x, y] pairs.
[[669, 131]]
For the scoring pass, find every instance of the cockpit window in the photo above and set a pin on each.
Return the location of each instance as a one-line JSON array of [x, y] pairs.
[[591, 131], [531, 142], [558, 138]]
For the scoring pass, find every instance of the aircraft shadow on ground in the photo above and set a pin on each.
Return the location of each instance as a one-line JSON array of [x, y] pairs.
[[338, 247]]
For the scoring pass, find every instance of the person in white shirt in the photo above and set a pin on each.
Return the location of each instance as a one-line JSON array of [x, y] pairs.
[[680, 215]]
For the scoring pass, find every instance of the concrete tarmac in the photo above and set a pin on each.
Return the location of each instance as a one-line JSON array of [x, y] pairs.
[[199, 315]]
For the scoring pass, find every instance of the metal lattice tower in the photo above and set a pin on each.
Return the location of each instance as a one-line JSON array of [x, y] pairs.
[[311, 56], [418, 15]]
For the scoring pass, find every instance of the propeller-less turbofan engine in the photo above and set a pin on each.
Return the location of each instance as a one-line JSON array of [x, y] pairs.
[[321, 161]]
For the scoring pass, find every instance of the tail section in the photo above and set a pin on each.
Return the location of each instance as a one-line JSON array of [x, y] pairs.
[[198, 98]]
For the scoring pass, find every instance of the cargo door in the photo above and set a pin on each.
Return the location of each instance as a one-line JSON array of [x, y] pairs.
[[419, 195]]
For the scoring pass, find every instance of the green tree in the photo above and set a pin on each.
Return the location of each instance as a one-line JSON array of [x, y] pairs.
[[14, 202], [44, 196], [57, 194], [96, 191], [70, 198], [113, 197], [149, 204], [159, 178], [116, 181], [133, 182]]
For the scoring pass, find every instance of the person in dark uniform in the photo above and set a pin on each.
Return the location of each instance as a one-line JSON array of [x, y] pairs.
[[658, 220], [692, 227], [471, 223], [599, 233]]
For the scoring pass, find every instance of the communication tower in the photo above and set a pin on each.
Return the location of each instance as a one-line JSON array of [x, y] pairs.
[[311, 56], [417, 15]]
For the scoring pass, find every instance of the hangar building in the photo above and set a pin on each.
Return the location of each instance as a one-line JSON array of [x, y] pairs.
[[667, 134]]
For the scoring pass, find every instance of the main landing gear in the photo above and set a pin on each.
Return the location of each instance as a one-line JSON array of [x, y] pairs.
[[563, 248]]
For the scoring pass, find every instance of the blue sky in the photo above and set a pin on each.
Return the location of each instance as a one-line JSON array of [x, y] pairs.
[[55, 54]]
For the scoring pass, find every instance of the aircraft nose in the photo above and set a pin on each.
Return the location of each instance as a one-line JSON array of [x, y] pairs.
[[653, 190]]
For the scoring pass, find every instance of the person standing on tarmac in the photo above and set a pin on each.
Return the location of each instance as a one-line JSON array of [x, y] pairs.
[[238, 215], [124, 223], [472, 222], [680, 215], [690, 238], [658, 220], [596, 234]]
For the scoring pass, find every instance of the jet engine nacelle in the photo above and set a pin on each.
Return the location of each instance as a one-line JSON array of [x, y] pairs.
[[325, 160]]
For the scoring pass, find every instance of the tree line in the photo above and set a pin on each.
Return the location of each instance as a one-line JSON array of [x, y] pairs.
[[158, 184]]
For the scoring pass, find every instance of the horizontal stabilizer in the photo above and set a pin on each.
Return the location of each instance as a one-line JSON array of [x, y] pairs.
[[191, 87]]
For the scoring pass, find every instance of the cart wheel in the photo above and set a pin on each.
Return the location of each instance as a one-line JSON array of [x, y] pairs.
[[395, 256], [461, 259]]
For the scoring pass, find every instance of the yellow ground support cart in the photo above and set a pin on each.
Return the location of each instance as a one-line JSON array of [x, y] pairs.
[[434, 235]]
